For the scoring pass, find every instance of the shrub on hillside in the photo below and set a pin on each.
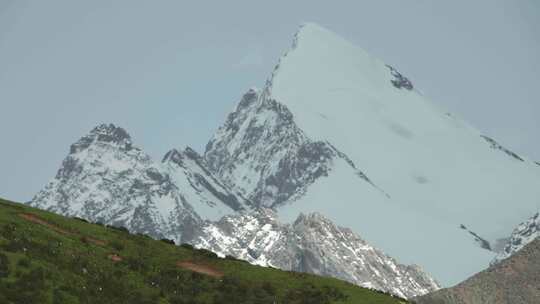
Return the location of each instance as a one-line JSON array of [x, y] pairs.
[[24, 262], [187, 246], [4, 265], [116, 244], [171, 242], [29, 288], [207, 253], [118, 228], [311, 294], [80, 219]]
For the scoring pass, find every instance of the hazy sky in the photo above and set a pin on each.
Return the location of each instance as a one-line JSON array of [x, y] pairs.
[[170, 71]]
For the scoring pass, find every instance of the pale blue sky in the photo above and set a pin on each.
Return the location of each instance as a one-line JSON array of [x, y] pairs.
[[170, 71]]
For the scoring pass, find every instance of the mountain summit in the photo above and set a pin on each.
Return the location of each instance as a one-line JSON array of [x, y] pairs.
[[105, 134], [337, 131]]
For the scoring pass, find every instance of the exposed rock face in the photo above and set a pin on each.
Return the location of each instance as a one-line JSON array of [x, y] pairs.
[[495, 145], [312, 244], [515, 280], [478, 239], [399, 80], [262, 153], [524, 233]]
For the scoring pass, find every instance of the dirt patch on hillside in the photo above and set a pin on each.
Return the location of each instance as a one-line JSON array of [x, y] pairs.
[[115, 257], [200, 268], [36, 219], [95, 241]]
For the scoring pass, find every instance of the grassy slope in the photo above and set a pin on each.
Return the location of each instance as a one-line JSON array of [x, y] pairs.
[[69, 262]]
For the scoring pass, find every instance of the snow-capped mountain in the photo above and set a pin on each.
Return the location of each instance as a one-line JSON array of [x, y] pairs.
[[524, 233], [105, 178], [337, 131], [312, 244]]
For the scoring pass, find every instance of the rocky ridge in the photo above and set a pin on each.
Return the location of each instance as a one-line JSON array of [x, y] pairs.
[[524, 234], [311, 244]]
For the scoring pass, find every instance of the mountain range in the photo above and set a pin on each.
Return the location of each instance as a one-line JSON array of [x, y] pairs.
[[179, 199], [335, 138]]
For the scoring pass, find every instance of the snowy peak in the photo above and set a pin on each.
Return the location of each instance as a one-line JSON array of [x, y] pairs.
[[320, 56], [110, 133], [310, 34], [106, 179], [104, 134], [106, 145], [249, 98]]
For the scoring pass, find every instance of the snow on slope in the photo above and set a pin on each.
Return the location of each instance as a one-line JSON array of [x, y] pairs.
[[312, 244], [422, 154], [524, 233], [437, 171], [262, 153], [210, 198], [107, 179], [442, 248]]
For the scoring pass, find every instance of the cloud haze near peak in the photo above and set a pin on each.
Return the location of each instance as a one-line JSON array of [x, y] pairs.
[[170, 71]]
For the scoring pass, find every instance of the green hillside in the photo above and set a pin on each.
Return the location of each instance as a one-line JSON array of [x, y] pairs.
[[47, 258]]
